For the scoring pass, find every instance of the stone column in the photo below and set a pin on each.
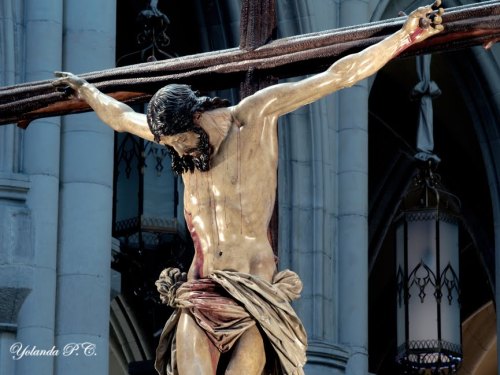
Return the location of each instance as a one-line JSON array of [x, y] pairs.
[[7, 363], [83, 277], [308, 201], [353, 209], [33, 219], [11, 16], [11, 72], [16, 262]]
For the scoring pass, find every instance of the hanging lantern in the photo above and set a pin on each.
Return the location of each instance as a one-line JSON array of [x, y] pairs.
[[427, 263], [146, 193]]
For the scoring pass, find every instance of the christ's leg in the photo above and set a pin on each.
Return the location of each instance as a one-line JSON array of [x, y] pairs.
[[249, 356], [196, 355]]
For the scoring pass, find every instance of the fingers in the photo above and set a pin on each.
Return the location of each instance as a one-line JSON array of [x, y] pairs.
[[436, 16], [436, 19], [63, 86], [62, 78], [432, 17], [436, 5], [63, 74], [59, 82], [67, 82], [439, 27]]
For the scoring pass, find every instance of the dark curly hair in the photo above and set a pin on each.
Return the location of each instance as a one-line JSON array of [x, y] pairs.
[[171, 111]]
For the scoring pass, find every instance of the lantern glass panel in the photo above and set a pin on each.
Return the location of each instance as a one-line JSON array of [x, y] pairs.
[[422, 319], [159, 183], [128, 178], [450, 307]]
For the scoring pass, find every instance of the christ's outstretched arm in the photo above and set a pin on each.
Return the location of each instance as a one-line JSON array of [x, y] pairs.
[[117, 115], [283, 98]]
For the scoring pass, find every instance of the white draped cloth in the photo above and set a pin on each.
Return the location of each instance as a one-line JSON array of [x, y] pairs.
[[225, 305]]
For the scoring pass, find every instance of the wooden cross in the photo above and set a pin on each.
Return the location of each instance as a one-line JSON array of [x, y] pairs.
[[253, 63]]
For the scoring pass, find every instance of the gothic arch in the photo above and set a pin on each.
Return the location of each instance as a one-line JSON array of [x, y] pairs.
[[127, 342]]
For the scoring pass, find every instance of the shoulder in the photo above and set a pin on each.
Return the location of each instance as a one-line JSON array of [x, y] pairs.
[[237, 116], [253, 108]]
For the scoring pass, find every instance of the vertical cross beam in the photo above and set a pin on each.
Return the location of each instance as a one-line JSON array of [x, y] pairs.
[[258, 26]]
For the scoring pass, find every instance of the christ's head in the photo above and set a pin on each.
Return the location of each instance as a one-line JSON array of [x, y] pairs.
[[171, 118]]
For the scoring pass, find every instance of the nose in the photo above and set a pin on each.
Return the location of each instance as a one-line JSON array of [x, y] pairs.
[[179, 149]]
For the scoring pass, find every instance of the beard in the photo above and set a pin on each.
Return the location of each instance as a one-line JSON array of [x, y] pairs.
[[185, 163]]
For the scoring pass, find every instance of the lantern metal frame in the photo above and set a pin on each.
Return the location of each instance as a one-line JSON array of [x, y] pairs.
[[428, 200]]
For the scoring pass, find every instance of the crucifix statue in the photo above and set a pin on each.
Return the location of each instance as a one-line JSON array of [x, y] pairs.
[[232, 302]]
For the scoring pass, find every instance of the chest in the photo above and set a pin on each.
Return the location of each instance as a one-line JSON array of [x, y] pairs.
[[242, 166]]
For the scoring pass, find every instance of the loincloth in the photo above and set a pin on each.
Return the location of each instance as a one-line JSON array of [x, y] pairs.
[[215, 311], [228, 303]]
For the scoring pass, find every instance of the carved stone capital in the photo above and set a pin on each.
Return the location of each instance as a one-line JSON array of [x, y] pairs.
[[16, 248], [11, 302]]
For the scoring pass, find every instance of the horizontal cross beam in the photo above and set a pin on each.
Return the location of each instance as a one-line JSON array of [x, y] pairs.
[[304, 54]]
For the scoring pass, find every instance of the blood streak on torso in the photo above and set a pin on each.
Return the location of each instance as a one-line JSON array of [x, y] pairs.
[[198, 251]]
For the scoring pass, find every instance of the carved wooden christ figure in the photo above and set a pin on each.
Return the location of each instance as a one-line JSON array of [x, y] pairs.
[[233, 301]]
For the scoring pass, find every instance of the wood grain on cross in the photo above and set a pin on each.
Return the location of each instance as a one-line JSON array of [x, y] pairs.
[[464, 27]]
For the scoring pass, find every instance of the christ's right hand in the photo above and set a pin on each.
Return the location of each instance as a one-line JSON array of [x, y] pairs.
[[68, 79]]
